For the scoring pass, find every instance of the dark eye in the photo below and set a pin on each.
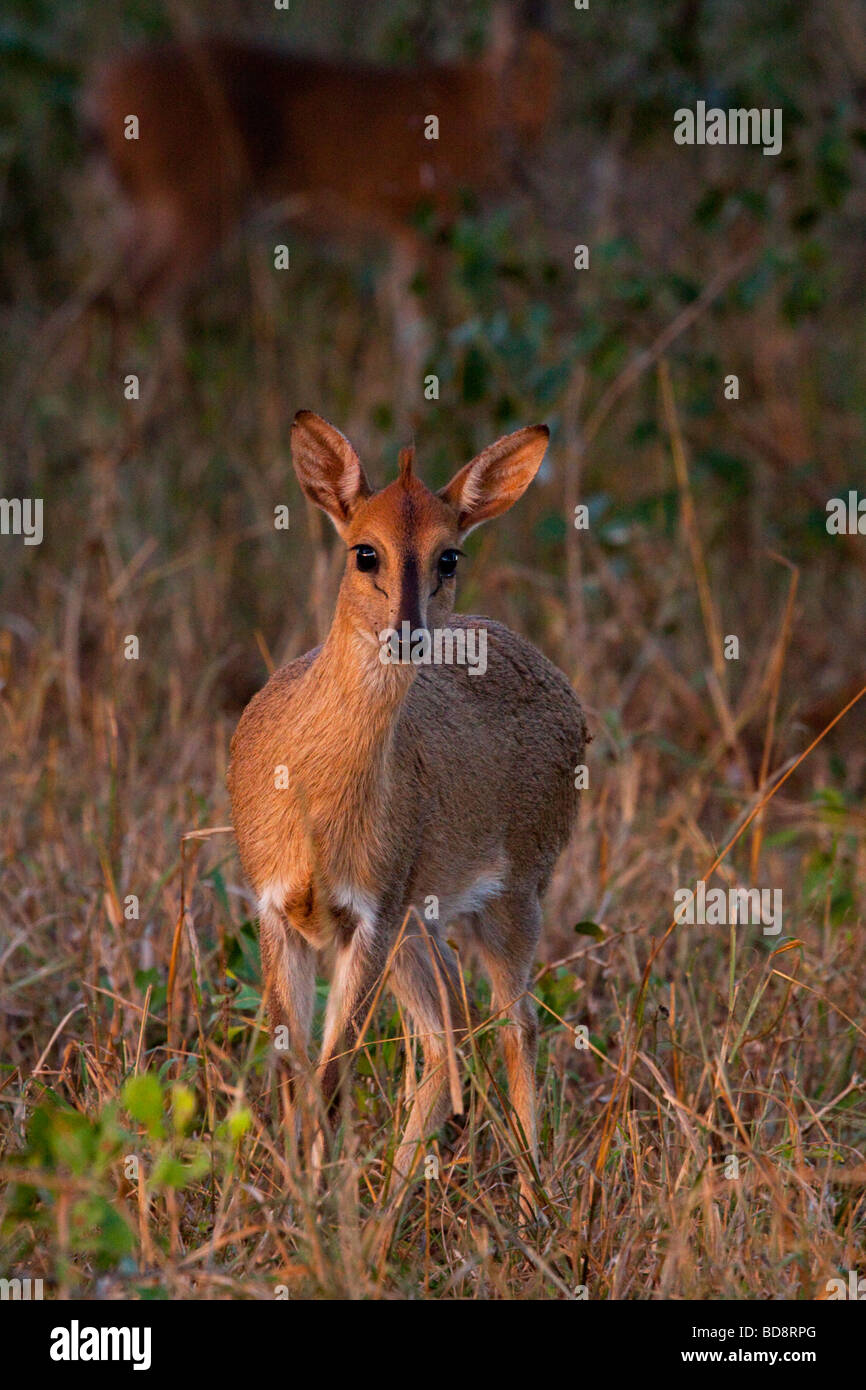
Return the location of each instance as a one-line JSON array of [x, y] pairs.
[[448, 563], [366, 558]]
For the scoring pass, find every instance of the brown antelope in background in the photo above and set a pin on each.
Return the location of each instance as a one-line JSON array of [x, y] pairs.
[[225, 126], [406, 784]]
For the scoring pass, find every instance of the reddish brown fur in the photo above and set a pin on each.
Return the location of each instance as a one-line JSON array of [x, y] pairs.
[[225, 124], [405, 781]]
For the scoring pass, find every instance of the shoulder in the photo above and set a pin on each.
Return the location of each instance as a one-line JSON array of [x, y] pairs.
[[518, 669], [278, 691], [513, 654]]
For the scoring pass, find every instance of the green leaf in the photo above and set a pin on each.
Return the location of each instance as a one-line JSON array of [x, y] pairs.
[[182, 1106], [170, 1172], [239, 1122], [590, 929], [99, 1229], [142, 1097]]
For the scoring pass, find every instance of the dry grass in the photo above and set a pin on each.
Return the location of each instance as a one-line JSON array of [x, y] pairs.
[[706, 1044]]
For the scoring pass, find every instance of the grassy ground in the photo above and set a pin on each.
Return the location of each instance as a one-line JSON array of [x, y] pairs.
[[708, 1141]]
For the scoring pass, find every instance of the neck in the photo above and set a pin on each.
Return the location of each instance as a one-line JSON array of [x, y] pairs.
[[345, 748], [349, 666]]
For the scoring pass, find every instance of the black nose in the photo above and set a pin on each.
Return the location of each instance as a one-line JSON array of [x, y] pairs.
[[409, 606]]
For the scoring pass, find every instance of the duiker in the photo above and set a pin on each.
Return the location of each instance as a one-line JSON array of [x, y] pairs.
[[364, 787], [348, 151], [349, 148]]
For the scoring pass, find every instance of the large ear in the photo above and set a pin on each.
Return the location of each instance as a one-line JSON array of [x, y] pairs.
[[328, 468], [493, 481]]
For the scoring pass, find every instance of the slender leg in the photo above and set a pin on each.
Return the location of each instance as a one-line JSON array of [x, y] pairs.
[[168, 242], [508, 935], [354, 980], [289, 970], [357, 972], [423, 969]]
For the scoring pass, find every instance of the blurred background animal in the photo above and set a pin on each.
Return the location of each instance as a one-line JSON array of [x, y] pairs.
[[199, 135]]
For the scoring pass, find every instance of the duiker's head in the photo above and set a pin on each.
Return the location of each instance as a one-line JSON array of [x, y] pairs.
[[404, 542]]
